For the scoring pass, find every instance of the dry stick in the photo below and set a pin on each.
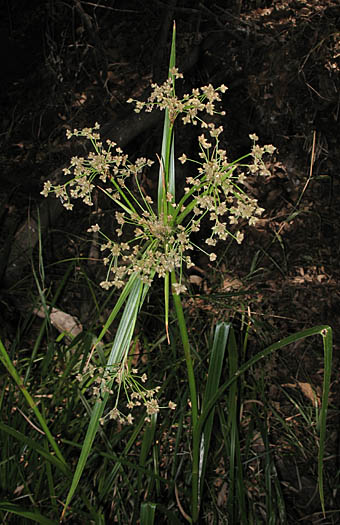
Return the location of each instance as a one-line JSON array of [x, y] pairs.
[[30, 422], [312, 160], [182, 511]]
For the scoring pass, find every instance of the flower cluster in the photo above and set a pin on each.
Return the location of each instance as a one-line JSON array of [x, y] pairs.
[[161, 240], [101, 381], [109, 163], [155, 248], [217, 187], [164, 97]]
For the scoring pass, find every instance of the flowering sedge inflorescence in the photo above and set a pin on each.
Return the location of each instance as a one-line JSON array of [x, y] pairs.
[[164, 97], [162, 240], [100, 380]]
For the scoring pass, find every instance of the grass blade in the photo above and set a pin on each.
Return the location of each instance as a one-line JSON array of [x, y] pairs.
[[166, 179], [121, 300], [25, 513], [326, 333], [119, 350], [214, 374], [317, 330], [236, 469], [147, 514]]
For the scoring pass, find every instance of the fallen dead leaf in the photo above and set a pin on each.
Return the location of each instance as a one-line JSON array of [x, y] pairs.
[[306, 389], [230, 283]]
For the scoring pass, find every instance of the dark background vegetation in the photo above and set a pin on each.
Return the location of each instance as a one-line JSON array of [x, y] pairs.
[[69, 64]]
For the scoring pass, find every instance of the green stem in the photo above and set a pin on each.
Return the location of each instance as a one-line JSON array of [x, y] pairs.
[[193, 397]]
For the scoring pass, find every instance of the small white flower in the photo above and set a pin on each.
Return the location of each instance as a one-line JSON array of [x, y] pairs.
[[94, 228], [179, 288], [269, 148], [203, 141], [239, 237], [223, 88]]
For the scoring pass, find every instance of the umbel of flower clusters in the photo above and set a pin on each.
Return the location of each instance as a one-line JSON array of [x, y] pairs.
[[97, 381], [161, 241]]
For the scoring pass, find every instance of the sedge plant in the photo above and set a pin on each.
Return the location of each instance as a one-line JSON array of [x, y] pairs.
[[162, 233], [155, 239]]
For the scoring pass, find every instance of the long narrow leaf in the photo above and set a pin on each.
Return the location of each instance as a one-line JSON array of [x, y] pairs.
[[121, 300], [147, 514], [164, 183], [326, 333], [120, 460], [166, 178], [235, 468], [25, 513], [119, 349], [214, 374], [148, 438]]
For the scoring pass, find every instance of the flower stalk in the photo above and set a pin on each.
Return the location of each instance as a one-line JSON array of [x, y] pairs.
[[193, 400]]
